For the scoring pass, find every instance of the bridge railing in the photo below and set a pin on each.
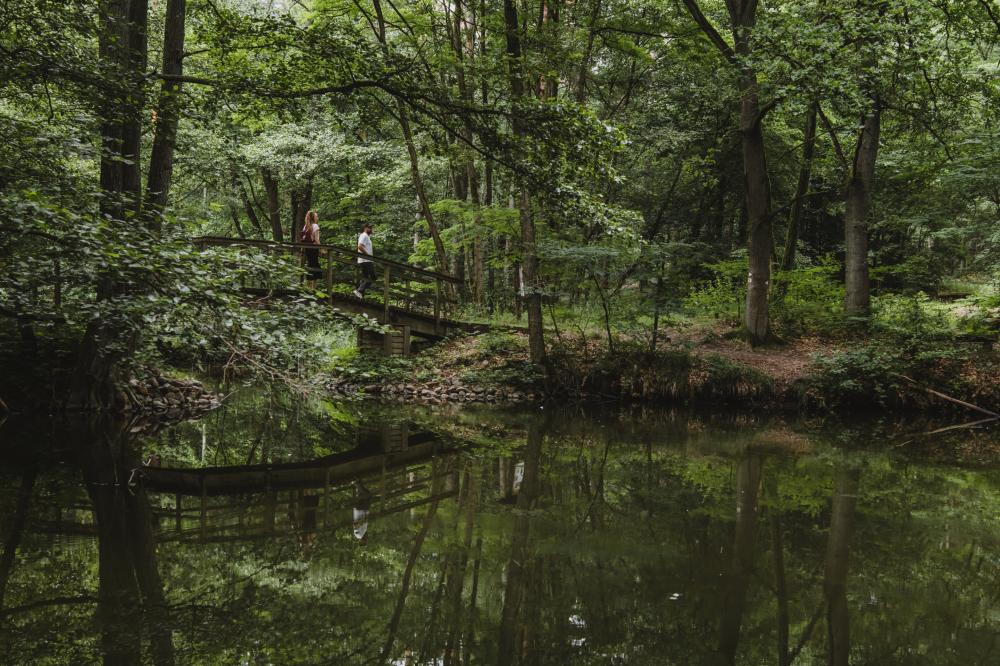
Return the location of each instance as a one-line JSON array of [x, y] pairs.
[[398, 285]]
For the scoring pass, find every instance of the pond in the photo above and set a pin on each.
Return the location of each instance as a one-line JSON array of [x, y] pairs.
[[282, 531]]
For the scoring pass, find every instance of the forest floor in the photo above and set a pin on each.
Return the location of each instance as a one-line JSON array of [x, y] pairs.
[[703, 365]]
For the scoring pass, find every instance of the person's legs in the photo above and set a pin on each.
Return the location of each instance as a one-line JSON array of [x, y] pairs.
[[367, 277]]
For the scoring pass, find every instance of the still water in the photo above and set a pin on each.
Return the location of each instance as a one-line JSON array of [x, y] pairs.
[[275, 531]]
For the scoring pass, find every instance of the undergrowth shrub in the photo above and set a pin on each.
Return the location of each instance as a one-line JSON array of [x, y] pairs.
[[808, 300], [910, 320], [878, 374]]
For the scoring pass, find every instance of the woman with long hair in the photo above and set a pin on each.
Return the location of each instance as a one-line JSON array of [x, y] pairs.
[[310, 236]]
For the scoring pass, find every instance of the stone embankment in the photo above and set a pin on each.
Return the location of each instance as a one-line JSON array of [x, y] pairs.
[[171, 398], [448, 391]]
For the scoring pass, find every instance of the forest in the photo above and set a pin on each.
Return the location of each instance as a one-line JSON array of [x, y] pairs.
[[608, 180], [499, 332]]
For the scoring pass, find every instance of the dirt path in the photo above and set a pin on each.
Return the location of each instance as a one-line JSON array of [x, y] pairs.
[[784, 363]]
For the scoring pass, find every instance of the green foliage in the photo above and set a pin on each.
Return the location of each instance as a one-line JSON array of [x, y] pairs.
[[725, 294], [910, 320], [917, 273], [808, 300]]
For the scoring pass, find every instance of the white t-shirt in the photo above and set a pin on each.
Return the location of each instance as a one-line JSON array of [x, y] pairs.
[[365, 241], [360, 522]]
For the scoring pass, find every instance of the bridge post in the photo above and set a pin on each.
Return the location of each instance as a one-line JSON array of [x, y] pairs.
[[329, 276], [385, 293], [437, 305]]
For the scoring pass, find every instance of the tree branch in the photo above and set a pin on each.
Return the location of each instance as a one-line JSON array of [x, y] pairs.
[[706, 26], [833, 136]]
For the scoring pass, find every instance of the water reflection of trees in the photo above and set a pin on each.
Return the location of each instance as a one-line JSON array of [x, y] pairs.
[[556, 544]]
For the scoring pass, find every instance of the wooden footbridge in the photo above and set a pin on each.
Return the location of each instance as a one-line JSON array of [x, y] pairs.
[[414, 301]]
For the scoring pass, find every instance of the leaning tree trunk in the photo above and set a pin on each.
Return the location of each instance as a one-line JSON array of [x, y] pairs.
[[798, 204], [529, 253], [857, 285], [161, 157], [440, 255]]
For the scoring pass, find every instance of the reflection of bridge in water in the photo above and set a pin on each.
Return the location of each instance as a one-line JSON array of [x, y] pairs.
[[397, 470], [265, 501]]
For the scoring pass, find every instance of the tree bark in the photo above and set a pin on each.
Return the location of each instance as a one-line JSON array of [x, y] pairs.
[[801, 191], [134, 101], [273, 205], [161, 158], [758, 201], [529, 254], [857, 285]]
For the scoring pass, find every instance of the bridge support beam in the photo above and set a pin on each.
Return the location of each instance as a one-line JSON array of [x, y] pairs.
[[394, 343]]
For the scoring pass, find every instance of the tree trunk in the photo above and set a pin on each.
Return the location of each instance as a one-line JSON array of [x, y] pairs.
[[301, 203], [798, 204], [529, 255], [161, 158], [758, 201], [756, 184], [858, 199], [248, 205], [134, 102], [122, 45], [273, 205], [471, 175]]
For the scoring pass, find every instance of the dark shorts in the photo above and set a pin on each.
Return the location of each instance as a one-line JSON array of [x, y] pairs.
[[312, 261]]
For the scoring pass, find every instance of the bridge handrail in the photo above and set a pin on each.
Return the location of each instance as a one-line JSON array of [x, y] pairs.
[[336, 249]]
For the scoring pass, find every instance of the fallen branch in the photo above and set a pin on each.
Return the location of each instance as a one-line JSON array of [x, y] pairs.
[[938, 394]]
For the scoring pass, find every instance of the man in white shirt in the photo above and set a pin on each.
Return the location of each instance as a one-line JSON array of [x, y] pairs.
[[367, 266]]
